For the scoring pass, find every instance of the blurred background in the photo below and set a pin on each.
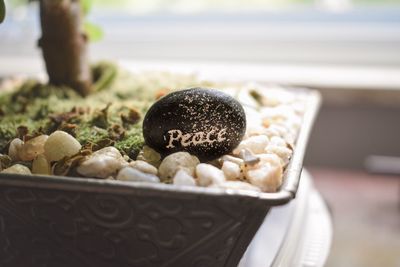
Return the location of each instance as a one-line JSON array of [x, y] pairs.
[[349, 50]]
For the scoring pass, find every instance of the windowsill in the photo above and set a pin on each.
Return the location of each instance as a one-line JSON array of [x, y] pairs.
[[339, 85]]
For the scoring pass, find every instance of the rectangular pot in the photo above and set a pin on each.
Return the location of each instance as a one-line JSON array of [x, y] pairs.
[[60, 221]]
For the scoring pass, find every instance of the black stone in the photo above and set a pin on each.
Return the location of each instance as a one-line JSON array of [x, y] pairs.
[[204, 122]]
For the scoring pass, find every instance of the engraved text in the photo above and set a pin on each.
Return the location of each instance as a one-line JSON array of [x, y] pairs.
[[195, 138]]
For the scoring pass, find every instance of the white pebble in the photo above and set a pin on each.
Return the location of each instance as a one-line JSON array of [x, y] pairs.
[[177, 161], [278, 141], [276, 130], [32, 148], [230, 158], [252, 130], [299, 107], [143, 166], [277, 114], [276, 96], [282, 152], [253, 118], [59, 145], [293, 123], [231, 170], [183, 178], [271, 132], [208, 175], [255, 144], [102, 163], [134, 175], [17, 169], [267, 174], [15, 147]]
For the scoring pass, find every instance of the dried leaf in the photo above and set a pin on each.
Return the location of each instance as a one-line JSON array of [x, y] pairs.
[[65, 165], [131, 118], [70, 116], [69, 128], [5, 162], [116, 132], [103, 143], [100, 117], [22, 131]]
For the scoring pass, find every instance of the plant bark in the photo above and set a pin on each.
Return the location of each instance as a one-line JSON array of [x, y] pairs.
[[64, 45]]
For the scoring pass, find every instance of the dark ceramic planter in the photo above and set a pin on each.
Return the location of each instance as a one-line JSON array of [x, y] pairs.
[[75, 222]]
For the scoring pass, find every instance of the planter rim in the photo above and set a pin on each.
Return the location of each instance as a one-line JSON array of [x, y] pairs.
[[286, 193]]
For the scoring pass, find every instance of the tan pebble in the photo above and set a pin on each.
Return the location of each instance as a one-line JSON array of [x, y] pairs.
[[59, 145], [17, 169], [40, 165], [150, 156], [143, 166], [207, 175], [109, 151], [102, 163], [134, 175], [267, 174], [177, 161], [32, 148], [15, 146], [183, 178], [282, 152]]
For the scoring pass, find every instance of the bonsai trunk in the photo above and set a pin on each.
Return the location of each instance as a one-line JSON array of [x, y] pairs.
[[64, 45]]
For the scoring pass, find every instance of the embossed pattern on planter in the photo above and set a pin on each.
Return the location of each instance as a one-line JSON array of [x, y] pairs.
[[43, 227]]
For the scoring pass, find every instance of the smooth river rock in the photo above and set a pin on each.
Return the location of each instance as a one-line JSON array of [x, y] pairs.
[[206, 123]]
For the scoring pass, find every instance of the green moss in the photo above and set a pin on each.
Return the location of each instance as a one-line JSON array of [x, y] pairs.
[[7, 133], [112, 115], [88, 134], [132, 144]]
